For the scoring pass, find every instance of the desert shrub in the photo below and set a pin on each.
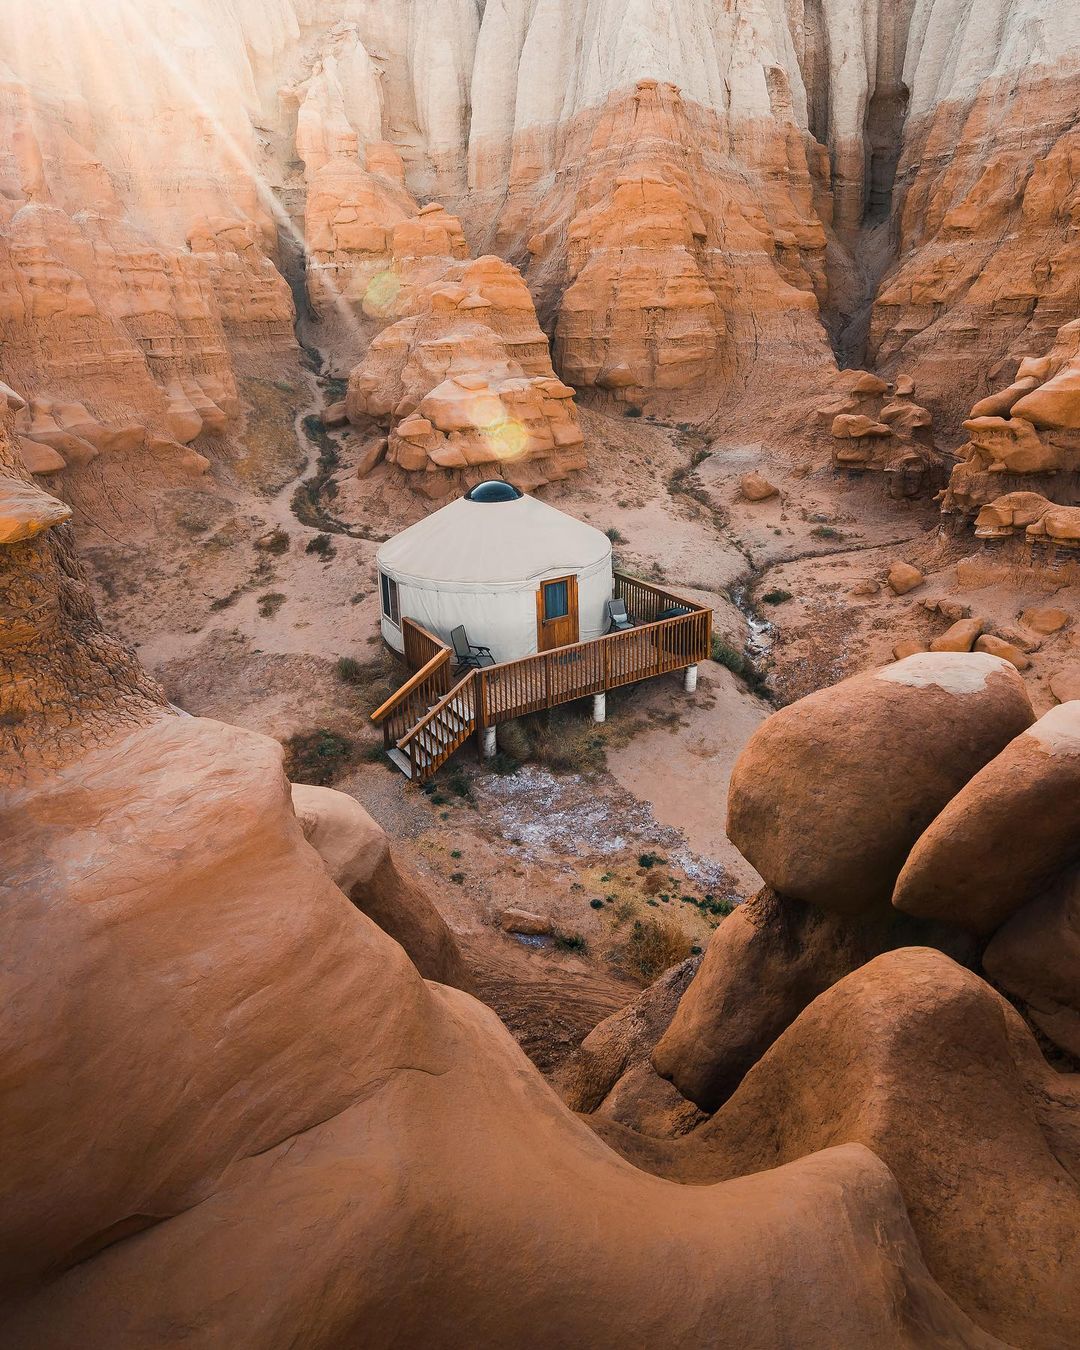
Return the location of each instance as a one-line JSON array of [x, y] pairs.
[[322, 545], [596, 904], [648, 860], [457, 781], [318, 757], [653, 946], [776, 597], [277, 542], [562, 740], [350, 671], [504, 764], [615, 535], [724, 654], [270, 603], [632, 412], [458, 878], [569, 942], [826, 532]]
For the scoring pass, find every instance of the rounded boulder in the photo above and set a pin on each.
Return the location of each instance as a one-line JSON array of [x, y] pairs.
[[830, 794], [1006, 835]]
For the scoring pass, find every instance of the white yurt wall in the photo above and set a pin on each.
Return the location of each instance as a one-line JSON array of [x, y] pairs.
[[481, 563]]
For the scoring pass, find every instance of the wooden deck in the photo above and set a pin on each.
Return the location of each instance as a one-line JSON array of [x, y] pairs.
[[435, 711]]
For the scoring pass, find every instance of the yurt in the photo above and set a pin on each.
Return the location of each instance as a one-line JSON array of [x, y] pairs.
[[520, 576]]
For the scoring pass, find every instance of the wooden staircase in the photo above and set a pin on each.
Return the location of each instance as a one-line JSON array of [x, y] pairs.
[[430, 716], [444, 728]]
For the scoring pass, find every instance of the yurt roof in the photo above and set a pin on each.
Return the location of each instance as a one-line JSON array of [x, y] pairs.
[[493, 543]]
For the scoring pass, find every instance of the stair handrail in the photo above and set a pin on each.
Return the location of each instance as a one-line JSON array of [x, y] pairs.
[[432, 713], [383, 711]]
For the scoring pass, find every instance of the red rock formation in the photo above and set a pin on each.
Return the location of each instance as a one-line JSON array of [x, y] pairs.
[[465, 381], [989, 212], [673, 267], [393, 1168]]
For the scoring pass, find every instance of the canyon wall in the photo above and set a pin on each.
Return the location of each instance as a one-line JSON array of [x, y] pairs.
[[688, 190]]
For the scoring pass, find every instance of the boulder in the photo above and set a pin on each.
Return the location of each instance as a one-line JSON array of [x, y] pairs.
[[1045, 619], [40, 458], [866, 587], [594, 1077], [903, 577], [372, 457], [524, 922], [1008, 651], [335, 415], [766, 962], [1035, 957], [853, 426], [755, 488], [830, 793], [1065, 682], [27, 510], [958, 637], [924, 1064], [907, 647], [1006, 834]]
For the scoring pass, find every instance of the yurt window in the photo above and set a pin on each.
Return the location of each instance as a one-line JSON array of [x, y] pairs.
[[556, 600], [390, 598]]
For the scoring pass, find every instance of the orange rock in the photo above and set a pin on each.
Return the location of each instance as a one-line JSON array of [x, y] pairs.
[[848, 426], [959, 637], [755, 488], [1065, 683], [895, 745], [959, 872], [1045, 619], [1008, 651], [907, 647], [902, 577]]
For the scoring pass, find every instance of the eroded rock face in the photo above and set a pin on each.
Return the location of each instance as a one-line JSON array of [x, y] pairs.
[[464, 380], [1017, 475], [136, 276], [925, 1064], [393, 1167], [880, 428], [767, 962], [668, 182], [64, 683], [361, 862]]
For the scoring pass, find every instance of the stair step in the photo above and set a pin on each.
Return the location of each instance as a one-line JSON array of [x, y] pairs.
[[401, 759]]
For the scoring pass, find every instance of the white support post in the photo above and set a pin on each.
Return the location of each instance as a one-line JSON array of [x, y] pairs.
[[487, 742], [690, 679], [599, 707]]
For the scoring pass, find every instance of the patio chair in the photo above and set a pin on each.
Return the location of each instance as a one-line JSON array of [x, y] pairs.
[[617, 619], [467, 653]]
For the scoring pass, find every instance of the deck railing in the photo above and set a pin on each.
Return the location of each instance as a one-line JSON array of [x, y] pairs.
[[433, 678], [420, 645], [547, 679], [645, 602], [430, 716]]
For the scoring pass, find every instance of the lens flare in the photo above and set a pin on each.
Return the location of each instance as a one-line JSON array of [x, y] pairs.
[[507, 438], [382, 291]]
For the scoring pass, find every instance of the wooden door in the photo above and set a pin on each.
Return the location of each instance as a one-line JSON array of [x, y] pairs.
[[556, 613]]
